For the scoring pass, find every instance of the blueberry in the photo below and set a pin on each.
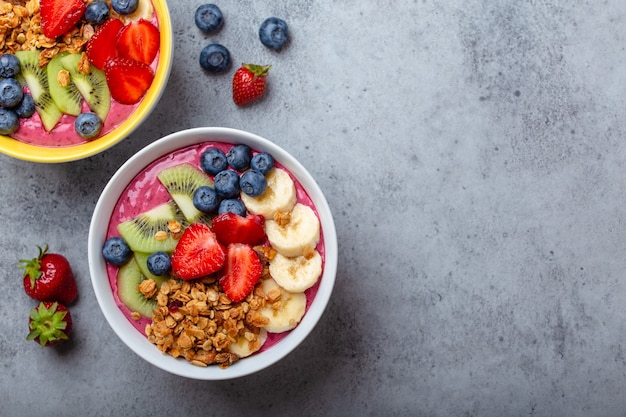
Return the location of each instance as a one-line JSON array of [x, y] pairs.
[[88, 125], [253, 183], [9, 66], [206, 199], [232, 205], [116, 251], [97, 12], [215, 58], [209, 18], [26, 108], [213, 160], [273, 33], [10, 92], [262, 162], [239, 157], [159, 263], [9, 122], [124, 7], [226, 183]]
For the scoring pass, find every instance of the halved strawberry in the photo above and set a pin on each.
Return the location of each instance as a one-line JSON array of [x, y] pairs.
[[101, 47], [128, 80], [242, 271], [60, 16], [198, 253], [233, 228], [139, 41]]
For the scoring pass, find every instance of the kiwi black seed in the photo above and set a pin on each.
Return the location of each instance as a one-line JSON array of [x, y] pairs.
[[140, 231], [129, 277], [181, 181]]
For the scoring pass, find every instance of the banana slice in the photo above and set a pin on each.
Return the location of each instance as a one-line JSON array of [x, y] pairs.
[[286, 312], [243, 347], [280, 195], [296, 274], [145, 10], [299, 236]]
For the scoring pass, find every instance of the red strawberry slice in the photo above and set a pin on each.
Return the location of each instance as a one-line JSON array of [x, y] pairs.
[[128, 80], [60, 16], [198, 253], [101, 47], [242, 271], [232, 228], [139, 41]]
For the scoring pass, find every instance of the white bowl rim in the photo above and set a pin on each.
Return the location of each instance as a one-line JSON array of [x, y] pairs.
[[100, 282]]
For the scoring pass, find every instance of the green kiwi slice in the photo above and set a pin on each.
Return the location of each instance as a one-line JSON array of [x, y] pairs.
[[181, 182], [139, 232], [142, 262], [67, 97], [129, 277], [36, 79], [92, 86]]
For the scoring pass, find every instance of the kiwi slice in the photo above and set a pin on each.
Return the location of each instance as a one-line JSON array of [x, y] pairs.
[[92, 86], [181, 182], [36, 78], [142, 262], [129, 277], [140, 231], [64, 93]]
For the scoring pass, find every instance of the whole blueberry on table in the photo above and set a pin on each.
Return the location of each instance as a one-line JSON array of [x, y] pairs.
[[215, 58], [274, 33], [226, 183], [97, 12], [206, 199], [159, 263], [26, 108], [213, 160], [124, 7], [88, 125], [262, 162], [9, 122], [116, 251], [10, 92], [232, 205], [209, 18], [239, 157], [253, 183], [9, 66]]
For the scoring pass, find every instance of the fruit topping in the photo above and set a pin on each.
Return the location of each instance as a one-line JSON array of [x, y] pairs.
[[9, 66], [88, 125], [209, 18], [59, 16], [198, 253], [128, 79], [50, 323], [49, 277], [296, 274], [253, 183], [239, 157], [26, 108], [181, 181], [129, 278], [233, 228], [296, 237], [149, 231], [274, 33], [262, 162], [116, 251], [11, 93], [285, 315], [279, 196], [226, 183], [215, 58], [62, 89], [159, 263], [232, 205], [90, 82], [205, 199], [249, 83], [139, 41], [213, 160], [242, 271], [97, 12], [102, 45], [9, 121], [125, 7]]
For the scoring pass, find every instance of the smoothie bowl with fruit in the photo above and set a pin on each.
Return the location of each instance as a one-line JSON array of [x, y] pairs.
[[78, 76], [212, 253]]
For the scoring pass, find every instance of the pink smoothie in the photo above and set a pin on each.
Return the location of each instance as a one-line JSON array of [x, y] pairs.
[[145, 192]]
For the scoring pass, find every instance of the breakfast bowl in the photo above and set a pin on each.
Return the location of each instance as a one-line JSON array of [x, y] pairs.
[[199, 323], [91, 86]]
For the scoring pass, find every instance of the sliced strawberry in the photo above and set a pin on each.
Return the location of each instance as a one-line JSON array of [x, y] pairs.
[[139, 41], [128, 79], [198, 253], [101, 47], [60, 16], [233, 228], [242, 271]]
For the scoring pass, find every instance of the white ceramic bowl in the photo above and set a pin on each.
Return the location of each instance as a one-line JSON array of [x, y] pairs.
[[100, 281]]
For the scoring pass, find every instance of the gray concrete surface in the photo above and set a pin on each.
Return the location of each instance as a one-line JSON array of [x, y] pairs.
[[473, 155]]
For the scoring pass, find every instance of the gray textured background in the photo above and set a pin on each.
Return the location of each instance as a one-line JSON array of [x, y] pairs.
[[473, 155]]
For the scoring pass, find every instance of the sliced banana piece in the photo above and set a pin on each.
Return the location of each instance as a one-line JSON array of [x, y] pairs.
[[299, 236], [296, 274], [145, 10], [244, 347], [286, 312], [280, 195]]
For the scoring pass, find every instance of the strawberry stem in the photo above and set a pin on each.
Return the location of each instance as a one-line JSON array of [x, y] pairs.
[[48, 325], [257, 70], [32, 267]]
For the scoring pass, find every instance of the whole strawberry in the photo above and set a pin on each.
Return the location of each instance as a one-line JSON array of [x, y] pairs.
[[49, 277], [249, 83], [49, 324]]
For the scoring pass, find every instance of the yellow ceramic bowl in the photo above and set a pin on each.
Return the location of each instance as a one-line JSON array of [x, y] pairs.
[[28, 152]]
